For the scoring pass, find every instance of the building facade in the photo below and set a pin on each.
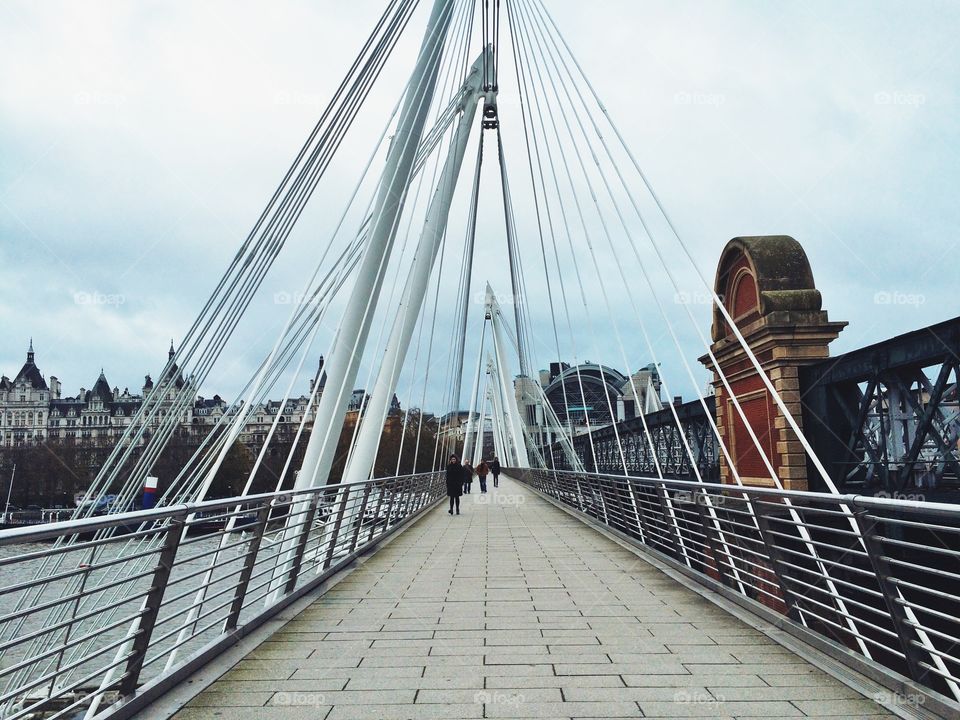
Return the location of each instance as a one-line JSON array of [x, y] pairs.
[[33, 410], [584, 397]]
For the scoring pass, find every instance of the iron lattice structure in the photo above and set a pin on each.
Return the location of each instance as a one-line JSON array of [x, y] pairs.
[[649, 442], [886, 417]]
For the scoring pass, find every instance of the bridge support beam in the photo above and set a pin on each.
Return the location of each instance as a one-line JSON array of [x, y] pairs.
[[371, 427], [767, 285], [343, 362], [474, 432], [515, 434]]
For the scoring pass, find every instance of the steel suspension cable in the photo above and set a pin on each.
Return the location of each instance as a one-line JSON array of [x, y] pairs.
[[750, 430]]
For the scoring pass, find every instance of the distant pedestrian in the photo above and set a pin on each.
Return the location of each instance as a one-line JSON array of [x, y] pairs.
[[482, 470], [495, 469], [467, 477], [454, 483]]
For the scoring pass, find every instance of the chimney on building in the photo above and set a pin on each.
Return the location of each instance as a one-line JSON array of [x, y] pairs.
[[54, 387]]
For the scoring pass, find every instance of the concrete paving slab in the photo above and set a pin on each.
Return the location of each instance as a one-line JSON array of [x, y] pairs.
[[517, 611]]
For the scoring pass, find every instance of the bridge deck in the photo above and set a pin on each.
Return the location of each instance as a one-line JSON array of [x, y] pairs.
[[515, 609]]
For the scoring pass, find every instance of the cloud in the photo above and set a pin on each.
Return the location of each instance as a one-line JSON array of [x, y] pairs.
[[142, 141]]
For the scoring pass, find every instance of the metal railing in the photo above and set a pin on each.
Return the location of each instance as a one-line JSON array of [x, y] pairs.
[[101, 615], [878, 577]]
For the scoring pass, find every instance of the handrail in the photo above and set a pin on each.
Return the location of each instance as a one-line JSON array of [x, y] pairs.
[[858, 571], [853, 499], [62, 658], [46, 531]]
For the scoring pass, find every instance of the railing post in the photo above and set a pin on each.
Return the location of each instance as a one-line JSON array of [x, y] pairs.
[[545, 478], [601, 492], [621, 510], [294, 572], [413, 497], [425, 492], [669, 520], [376, 513], [407, 499], [898, 616], [151, 606], [359, 516], [393, 501], [776, 560], [404, 499], [640, 513], [428, 490], [399, 498], [248, 563], [603, 501], [337, 524], [579, 495], [700, 499]]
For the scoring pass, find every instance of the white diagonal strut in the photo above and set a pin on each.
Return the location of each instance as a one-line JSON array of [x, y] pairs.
[[475, 430], [514, 425], [434, 228], [500, 442], [343, 362]]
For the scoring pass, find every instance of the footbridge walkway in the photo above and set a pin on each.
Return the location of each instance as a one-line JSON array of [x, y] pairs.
[[515, 608]]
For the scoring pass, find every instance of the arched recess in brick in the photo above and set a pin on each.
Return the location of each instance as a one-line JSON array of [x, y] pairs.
[[767, 285]]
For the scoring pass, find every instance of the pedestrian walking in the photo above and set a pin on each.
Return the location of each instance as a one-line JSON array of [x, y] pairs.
[[467, 477], [454, 483], [495, 470], [482, 470]]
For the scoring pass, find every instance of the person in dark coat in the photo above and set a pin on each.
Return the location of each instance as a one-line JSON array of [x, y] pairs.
[[482, 470], [454, 483], [467, 477], [495, 470]]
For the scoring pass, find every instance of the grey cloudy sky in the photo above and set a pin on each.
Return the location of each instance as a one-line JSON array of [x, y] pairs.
[[139, 141]]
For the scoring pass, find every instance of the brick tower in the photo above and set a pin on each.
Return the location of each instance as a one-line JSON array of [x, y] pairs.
[[767, 287]]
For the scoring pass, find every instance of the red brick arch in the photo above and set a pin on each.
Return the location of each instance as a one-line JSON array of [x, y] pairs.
[[767, 287]]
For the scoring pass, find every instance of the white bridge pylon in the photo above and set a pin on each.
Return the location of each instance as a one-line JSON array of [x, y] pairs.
[[350, 340], [411, 304], [515, 444]]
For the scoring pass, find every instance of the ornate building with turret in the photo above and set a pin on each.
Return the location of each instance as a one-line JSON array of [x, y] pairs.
[[25, 404], [31, 410]]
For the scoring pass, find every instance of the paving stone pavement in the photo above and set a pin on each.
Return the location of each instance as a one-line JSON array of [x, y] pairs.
[[514, 609]]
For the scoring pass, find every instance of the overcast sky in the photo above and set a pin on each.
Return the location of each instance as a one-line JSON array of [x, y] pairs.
[[139, 141]]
